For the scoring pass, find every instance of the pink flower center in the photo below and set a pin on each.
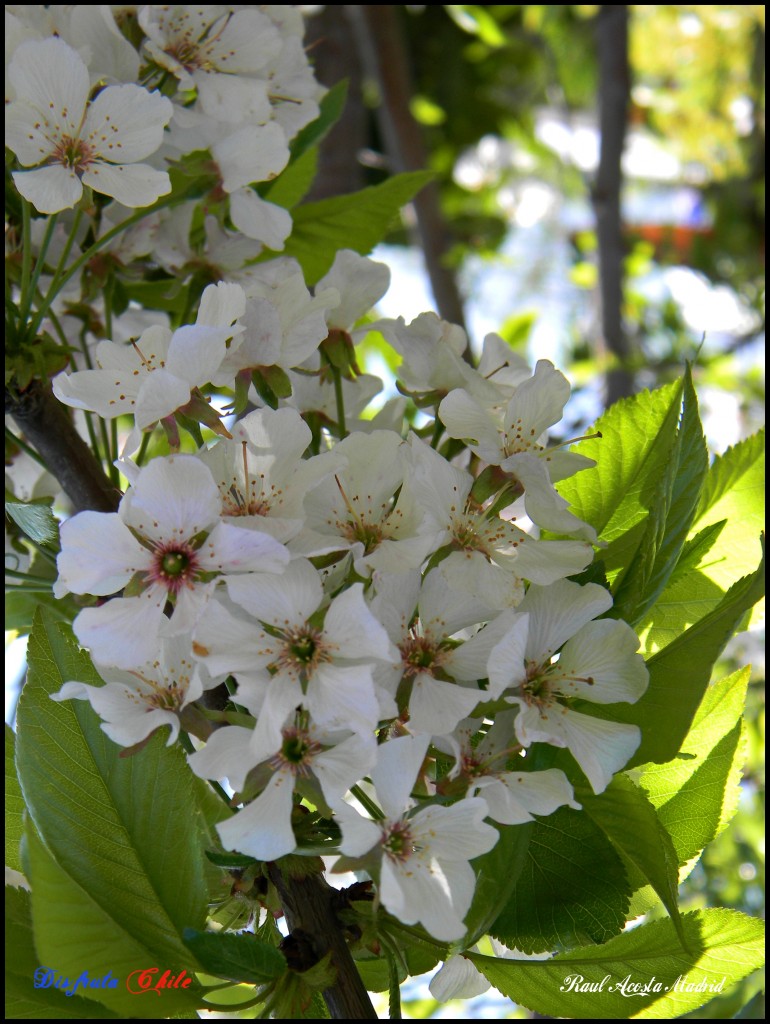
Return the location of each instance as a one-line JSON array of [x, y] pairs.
[[73, 153], [174, 565]]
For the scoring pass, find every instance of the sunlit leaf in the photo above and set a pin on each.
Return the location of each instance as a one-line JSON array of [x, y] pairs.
[[723, 947]]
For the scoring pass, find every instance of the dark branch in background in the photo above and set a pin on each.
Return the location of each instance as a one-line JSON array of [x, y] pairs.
[[332, 48], [46, 424], [614, 96], [309, 904], [383, 49]]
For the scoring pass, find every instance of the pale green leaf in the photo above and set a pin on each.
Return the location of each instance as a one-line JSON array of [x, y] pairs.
[[357, 221], [75, 933], [724, 947], [734, 491], [616, 495], [697, 793], [688, 596], [680, 674], [22, 1000], [126, 830], [671, 515]]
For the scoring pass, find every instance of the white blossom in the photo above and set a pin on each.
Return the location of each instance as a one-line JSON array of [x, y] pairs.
[[70, 142]]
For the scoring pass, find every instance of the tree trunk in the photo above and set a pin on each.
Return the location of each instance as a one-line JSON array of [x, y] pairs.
[[332, 47], [384, 51], [614, 94]]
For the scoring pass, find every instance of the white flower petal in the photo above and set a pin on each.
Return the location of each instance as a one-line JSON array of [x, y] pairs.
[[605, 652], [361, 283], [263, 828], [256, 218], [343, 698], [557, 612], [254, 153], [124, 631], [233, 549], [435, 707], [351, 626], [125, 123], [456, 833], [174, 499], [506, 666], [287, 600], [457, 978], [359, 834], [464, 418], [49, 189], [134, 185], [398, 762], [99, 555]]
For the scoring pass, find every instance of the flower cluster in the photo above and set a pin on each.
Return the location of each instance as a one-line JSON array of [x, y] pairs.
[[371, 593]]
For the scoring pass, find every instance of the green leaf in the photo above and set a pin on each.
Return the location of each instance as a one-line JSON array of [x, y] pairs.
[[74, 933], [571, 891], [679, 675], [22, 1000], [688, 596], [14, 805], [125, 830], [615, 497], [724, 946], [293, 183], [496, 875], [357, 221], [671, 515], [734, 491], [331, 107], [238, 957], [37, 521], [697, 793], [628, 819]]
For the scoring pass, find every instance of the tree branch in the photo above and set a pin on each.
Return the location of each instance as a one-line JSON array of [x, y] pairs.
[[47, 426], [309, 906]]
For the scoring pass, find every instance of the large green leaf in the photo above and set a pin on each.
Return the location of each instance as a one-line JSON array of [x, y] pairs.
[[238, 957], [571, 891], [628, 819], [14, 805], [734, 491], [615, 497], [23, 1001], [496, 875], [357, 221], [679, 675], [124, 830], [697, 793], [723, 947], [671, 515], [74, 933], [688, 596]]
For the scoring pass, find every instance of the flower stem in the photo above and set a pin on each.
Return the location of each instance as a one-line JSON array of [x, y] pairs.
[[340, 400], [39, 264]]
